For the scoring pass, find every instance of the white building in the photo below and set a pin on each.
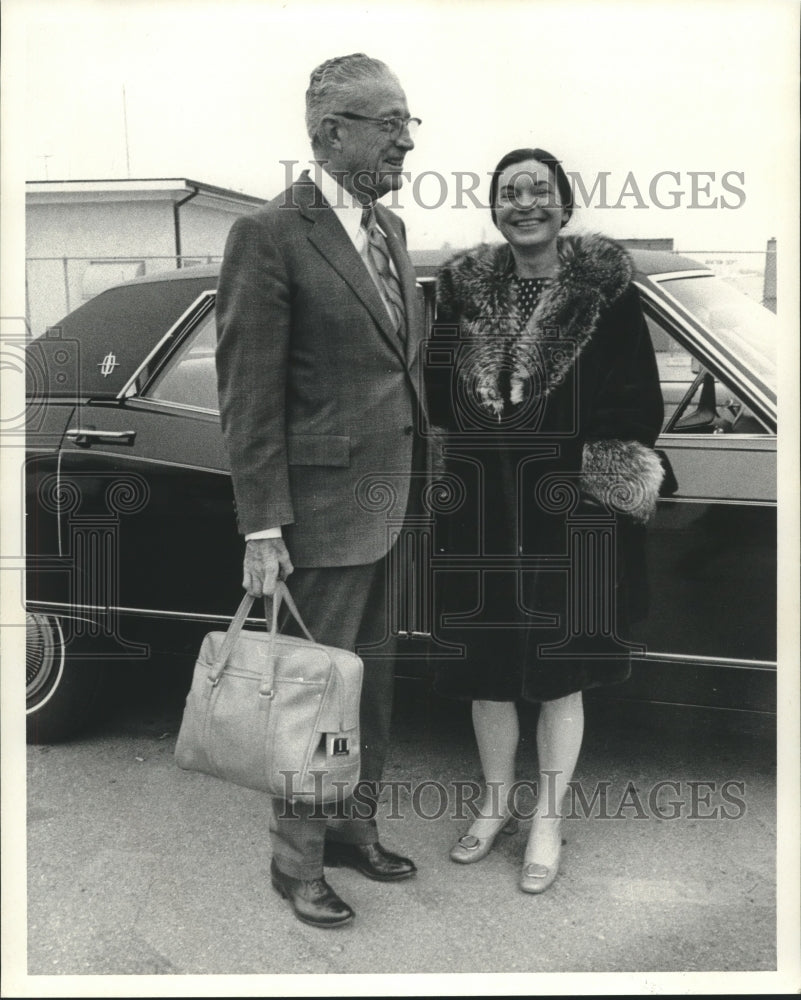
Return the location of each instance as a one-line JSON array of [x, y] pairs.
[[82, 236]]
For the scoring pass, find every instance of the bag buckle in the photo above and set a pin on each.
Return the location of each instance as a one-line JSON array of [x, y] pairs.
[[337, 746]]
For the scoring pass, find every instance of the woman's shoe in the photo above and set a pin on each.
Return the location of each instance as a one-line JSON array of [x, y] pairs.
[[537, 878], [469, 849]]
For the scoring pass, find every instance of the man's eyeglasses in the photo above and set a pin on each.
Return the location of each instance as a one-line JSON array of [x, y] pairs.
[[392, 126]]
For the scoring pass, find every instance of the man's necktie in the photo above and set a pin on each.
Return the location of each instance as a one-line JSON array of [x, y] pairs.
[[379, 255]]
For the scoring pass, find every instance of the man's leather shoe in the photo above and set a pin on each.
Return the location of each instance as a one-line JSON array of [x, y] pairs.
[[313, 900], [371, 860]]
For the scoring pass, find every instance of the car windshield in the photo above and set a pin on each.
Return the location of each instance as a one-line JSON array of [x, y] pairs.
[[739, 323]]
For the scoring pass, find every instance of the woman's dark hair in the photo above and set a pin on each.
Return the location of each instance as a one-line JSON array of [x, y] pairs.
[[563, 185]]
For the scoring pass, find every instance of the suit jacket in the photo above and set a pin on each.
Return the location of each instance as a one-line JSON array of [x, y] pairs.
[[318, 394]]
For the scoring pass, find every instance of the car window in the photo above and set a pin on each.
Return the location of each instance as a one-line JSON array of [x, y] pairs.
[[748, 328], [679, 373], [677, 367], [189, 376]]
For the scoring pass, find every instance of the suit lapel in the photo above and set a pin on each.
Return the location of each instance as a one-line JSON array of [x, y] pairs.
[[333, 243]]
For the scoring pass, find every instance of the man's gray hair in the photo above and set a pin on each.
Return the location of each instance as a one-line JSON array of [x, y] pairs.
[[334, 84]]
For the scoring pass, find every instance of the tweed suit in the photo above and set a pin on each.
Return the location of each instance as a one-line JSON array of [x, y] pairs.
[[316, 388], [319, 401]]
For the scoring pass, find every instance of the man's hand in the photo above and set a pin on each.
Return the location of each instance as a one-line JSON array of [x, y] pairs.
[[266, 561]]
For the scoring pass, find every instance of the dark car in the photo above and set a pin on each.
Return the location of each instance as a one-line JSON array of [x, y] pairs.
[[132, 548]]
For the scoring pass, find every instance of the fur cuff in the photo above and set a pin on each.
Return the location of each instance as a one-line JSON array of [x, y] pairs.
[[625, 476]]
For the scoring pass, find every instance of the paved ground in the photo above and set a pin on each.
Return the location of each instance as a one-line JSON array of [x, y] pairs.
[[136, 867]]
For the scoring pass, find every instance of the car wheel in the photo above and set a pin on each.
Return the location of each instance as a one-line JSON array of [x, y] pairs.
[[60, 695]]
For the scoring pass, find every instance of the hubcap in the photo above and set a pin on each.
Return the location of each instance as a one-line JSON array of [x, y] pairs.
[[44, 656]]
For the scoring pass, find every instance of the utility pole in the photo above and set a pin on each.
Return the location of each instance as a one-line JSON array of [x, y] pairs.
[[45, 157], [769, 282]]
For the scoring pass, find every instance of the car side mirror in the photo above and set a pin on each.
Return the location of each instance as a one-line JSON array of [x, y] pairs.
[[705, 414]]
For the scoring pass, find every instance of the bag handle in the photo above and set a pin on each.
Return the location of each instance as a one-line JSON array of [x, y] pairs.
[[238, 621]]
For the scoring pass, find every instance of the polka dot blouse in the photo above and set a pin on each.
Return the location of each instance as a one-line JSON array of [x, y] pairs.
[[527, 295]]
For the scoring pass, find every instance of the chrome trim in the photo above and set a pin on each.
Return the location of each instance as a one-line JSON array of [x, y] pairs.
[[724, 661], [661, 276], [178, 406], [74, 432], [56, 609], [719, 500], [183, 318], [735, 439], [124, 437], [751, 712], [59, 518], [147, 460], [143, 612]]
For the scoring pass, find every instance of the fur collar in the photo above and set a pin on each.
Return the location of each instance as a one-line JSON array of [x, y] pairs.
[[475, 287]]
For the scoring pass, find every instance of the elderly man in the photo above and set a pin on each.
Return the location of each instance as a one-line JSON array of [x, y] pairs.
[[318, 331]]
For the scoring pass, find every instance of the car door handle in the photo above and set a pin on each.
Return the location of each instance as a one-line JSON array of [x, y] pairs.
[[85, 436]]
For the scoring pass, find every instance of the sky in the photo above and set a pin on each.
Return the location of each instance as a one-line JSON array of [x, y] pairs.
[[704, 90]]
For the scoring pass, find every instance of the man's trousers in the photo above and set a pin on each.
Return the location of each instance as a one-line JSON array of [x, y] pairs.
[[346, 607]]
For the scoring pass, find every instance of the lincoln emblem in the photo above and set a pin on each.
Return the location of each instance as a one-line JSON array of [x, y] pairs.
[[107, 365]]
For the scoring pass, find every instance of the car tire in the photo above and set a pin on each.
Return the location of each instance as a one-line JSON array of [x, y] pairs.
[[61, 695]]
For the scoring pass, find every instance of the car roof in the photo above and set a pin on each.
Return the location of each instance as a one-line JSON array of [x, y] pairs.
[[645, 261], [179, 274], [663, 262], [126, 321]]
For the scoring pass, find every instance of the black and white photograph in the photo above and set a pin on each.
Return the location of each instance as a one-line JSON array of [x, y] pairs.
[[400, 507]]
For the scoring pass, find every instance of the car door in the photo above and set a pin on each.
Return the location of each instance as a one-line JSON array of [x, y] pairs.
[[710, 634], [155, 534]]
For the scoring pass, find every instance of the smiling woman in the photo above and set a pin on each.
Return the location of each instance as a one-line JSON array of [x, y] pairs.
[[531, 201], [551, 423]]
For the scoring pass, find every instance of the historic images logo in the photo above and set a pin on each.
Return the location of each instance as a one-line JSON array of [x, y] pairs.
[[462, 189]]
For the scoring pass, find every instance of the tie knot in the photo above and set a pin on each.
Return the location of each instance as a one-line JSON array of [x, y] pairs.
[[368, 218]]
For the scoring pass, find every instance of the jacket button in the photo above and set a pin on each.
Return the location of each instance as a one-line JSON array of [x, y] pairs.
[[408, 429]]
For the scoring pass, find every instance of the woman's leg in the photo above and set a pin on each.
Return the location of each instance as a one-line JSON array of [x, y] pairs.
[[560, 729], [497, 733]]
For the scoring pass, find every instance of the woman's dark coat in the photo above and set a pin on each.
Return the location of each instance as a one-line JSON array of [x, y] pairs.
[[549, 471]]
